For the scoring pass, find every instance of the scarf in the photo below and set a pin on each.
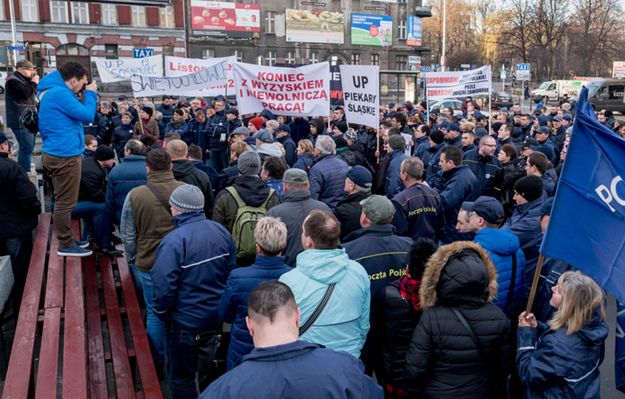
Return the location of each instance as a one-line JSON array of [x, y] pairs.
[[409, 290]]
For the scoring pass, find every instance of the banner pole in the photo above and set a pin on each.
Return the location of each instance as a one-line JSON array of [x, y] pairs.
[[377, 145], [530, 300], [427, 101]]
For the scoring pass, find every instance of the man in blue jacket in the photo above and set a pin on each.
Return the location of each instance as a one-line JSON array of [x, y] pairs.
[[190, 271], [61, 118], [485, 216], [327, 175], [281, 366]]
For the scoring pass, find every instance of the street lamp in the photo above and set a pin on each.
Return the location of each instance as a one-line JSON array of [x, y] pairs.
[[13, 39], [443, 58]]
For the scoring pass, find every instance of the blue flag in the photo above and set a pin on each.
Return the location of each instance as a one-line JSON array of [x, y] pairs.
[[587, 225], [619, 349]]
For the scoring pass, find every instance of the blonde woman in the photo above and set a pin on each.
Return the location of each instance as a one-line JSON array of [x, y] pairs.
[[561, 359], [305, 155]]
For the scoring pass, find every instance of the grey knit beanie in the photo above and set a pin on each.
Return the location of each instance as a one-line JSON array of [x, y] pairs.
[[187, 198], [249, 163]]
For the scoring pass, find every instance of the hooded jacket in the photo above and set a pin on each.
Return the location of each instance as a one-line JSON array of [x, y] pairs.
[[327, 179], [344, 323], [62, 116], [443, 361], [501, 246], [185, 171], [295, 370], [554, 365], [233, 303]]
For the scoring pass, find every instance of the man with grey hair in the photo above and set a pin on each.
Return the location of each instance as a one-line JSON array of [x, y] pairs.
[[327, 174], [190, 271], [419, 209], [248, 193], [296, 205], [357, 187], [270, 235]]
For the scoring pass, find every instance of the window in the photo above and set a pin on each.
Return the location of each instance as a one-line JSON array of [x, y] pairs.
[[208, 53], [271, 58], [30, 12], [314, 58], [355, 59], [401, 30], [401, 62], [239, 55], [290, 58], [138, 16], [58, 12], [259, 60], [110, 51], [167, 17], [109, 14], [80, 13], [270, 22], [375, 59]]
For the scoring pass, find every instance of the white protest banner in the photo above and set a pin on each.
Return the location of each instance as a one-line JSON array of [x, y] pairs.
[[361, 86], [123, 68], [180, 66], [187, 85], [303, 91], [443, 85]]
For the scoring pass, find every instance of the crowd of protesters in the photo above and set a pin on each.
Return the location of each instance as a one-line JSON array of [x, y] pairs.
[[411, 248]]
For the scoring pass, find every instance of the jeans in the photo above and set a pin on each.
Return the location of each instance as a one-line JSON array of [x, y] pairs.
[[65, 174], [219, 159], [136, 279], [19, 250], [26, 141], [190, 352], [155, 327], [96, 211]]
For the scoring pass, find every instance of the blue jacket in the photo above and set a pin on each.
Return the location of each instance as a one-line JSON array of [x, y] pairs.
[[293, 371], [327, 179], [62, 116], [344, 323], [549, 183], [554, 365], [393, 183], [488, 172], [218, 125], [459, 183], [190, 271], [124, 177], [233, 304], [304, 162], [501, 245], [421, 146], [199, 132], [419, 212], [433, 172], [548, 149], [182, 128]]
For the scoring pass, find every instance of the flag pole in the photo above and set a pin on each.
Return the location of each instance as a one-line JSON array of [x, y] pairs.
[[490, 102], [530, 300]]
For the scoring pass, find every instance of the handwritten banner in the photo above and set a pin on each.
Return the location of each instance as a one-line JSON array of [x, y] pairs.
[[443, 85], [300, 91], [361, 86], [122, 69], [181, 66]]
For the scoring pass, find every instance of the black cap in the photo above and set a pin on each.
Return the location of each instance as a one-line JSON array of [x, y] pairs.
[[486, 207]]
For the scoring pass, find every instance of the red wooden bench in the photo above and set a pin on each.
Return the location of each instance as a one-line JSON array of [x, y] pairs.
[[79, 333]]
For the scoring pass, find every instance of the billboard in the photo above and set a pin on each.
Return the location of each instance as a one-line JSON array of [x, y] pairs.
[[413, 31], [618, 69], [217, 18], [314, 26], [372, 30]]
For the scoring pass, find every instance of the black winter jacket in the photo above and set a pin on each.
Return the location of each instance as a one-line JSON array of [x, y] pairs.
[[19, 205], [488, 172], [185, 171], [20, 94], [348, 212], [92, 181], [443, 361]]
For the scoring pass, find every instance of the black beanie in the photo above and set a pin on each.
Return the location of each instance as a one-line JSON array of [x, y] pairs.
[[529, 187], [342, 126], [104, 153], [437, 136]]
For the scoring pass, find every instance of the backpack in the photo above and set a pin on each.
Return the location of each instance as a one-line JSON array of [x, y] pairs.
[[245, 223]]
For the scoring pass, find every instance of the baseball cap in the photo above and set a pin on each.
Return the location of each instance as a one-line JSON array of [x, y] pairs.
[[567, 117], [295, 175], [360, 176], [4, 138], [557, 118], [283, 128], [378, 209], [543, 130], [529, 143], [486, 207], [264, 136], [453, 126]]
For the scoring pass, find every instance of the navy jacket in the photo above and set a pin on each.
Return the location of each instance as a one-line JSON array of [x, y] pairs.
[[488, 172], [554, 365], [293, 371], [217, 126], [548, 149], [393, 183], [459, 183], [190, 271], [327, 179], [421, 146], [233, 304], [121, 135], [199, 131], [182, 128], [419, 213], [304, 162], [433, 172], [290, 150], [124, 177]]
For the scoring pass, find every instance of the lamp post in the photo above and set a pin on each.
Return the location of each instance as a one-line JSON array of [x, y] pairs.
[[443, 57], [13, 34]]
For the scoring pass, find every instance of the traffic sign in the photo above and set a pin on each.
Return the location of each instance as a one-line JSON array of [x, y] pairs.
[[142, 52], [425, 68], [523, 72], [503, 74], [16, 48]]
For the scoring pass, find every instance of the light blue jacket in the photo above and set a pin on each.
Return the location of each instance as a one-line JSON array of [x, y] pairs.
[[62, 116], [344, 323]]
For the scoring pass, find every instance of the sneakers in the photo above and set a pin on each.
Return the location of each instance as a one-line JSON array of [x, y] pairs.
[[109, 251], [82, 244], [74, 250]]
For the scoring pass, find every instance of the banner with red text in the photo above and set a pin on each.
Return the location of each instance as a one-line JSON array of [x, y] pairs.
[[303, 91], [443, 85], [180, 66]]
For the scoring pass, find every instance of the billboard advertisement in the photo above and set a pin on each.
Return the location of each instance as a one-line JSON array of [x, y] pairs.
[[217, 18], [372, 30], [314, 26], [618, 69], [413, 31]]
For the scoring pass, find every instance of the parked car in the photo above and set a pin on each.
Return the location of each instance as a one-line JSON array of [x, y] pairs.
[[607, 94], [501, 99], [454, 104]]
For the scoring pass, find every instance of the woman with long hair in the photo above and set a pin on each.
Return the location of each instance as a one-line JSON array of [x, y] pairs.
[[561, 359]]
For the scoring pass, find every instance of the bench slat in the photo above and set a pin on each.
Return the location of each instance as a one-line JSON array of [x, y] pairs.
[[20, 364], [121, 364], [47, 370], [147, 371], [97, 370], [54, 278]]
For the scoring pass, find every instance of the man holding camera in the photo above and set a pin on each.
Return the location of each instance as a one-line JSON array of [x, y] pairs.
[[61, 118]]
